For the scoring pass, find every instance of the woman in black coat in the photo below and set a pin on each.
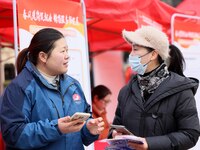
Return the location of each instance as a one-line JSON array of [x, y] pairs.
[[158, 104]]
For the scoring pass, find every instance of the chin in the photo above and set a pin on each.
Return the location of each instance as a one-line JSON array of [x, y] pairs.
[[64, 71]]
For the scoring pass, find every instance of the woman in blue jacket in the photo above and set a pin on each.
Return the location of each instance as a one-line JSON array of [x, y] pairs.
[[158, 103], [37, 105]]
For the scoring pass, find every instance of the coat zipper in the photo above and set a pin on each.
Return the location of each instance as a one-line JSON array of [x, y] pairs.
[[62, 98]]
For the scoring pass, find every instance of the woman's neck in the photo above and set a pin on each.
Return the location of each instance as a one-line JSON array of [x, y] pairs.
[[152, 66], [49, 78]]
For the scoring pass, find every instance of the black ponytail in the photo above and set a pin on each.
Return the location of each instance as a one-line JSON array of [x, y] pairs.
[[177, 61], [21, 60]]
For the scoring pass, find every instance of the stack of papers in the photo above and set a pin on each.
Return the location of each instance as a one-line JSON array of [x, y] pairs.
[[120, 142]]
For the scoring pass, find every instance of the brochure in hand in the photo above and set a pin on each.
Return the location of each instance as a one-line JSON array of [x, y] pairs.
[[120, 142]]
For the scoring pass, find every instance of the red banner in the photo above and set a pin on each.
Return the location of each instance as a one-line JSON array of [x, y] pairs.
[[59, 14], [186, 34]]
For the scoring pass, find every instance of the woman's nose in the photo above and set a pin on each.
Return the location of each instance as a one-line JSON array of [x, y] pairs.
[[132, 53], [67, 56]]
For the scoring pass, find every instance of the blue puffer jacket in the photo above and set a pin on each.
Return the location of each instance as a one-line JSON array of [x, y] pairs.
[[31, 108]]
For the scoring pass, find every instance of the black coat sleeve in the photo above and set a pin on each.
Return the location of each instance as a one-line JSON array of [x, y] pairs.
[[118, 113], [188, 129]]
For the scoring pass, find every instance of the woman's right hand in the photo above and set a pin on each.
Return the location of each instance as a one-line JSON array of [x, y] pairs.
[[65, 125]]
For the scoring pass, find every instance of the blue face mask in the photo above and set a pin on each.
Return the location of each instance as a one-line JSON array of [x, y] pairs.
[[135, 64]]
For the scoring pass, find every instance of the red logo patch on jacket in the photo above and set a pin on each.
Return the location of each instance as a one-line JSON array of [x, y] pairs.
[[76, 97]]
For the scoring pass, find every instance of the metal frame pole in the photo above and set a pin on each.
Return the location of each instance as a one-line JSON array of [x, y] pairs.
[[1, 75]]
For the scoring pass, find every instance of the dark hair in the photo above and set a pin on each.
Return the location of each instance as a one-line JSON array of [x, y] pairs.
[[44, 41], [101, 91], [177, 61]]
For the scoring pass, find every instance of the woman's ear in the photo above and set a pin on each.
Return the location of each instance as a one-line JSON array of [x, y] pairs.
[[42, 57], [154, 55], [95, 99]]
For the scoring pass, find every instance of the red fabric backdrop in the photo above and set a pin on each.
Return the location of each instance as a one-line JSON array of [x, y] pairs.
[[191, 6], [106, 20], [109, 18], [6, 21]]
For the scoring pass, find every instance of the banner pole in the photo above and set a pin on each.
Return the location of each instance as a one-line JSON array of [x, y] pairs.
[[15, 28], [87, 49], [1, 76], [91, 146]]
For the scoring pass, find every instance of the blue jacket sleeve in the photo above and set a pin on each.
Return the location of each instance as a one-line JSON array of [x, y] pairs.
[[17, 131], [87, 137]]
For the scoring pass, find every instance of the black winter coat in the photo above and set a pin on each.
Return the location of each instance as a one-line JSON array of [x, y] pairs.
[[169, 118]]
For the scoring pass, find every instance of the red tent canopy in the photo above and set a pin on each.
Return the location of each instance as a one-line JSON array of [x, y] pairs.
[[106, 20], [190, 5], [109, 18], [6, 21]]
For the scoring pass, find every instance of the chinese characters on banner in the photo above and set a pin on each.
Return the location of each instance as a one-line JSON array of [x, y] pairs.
[[39, 16]]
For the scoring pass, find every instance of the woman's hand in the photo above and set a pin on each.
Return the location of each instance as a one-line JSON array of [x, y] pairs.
[[114, 133], [136, 146], [65, 125], [95, 126]]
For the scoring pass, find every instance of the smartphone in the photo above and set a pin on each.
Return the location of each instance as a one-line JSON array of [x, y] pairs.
[[122, 129], [80, 116]]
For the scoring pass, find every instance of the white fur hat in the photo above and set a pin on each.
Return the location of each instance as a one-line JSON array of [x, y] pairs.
[[149, 37]]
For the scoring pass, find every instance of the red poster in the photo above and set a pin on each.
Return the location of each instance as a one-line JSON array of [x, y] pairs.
[[37, 14], [186, 33]]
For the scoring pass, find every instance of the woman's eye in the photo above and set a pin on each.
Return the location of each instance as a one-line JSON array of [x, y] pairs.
[[135, 49], [63, 51]]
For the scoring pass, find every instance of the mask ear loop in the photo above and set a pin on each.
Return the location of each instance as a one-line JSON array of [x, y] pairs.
[[147, 63], [145, 55]]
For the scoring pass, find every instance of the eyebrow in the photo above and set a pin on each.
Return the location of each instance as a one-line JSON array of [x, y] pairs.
[[149, 48], [65, 47], [135, 46]]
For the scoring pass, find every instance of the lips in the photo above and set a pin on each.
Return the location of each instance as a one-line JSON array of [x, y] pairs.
[[66, 64]]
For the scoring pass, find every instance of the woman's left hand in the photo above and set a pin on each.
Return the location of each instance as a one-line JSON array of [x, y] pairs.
[[95, 126]]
